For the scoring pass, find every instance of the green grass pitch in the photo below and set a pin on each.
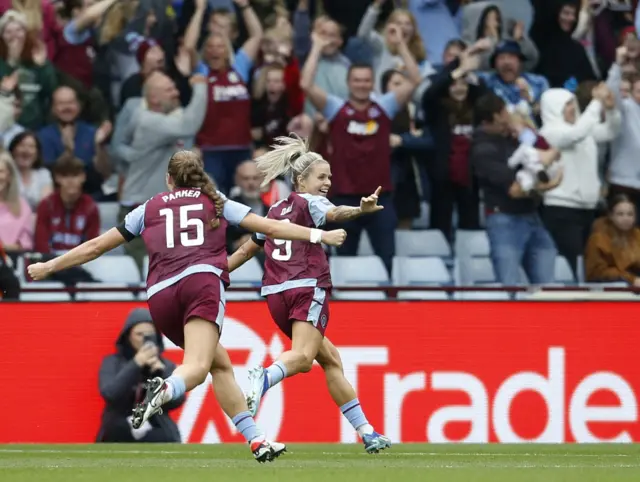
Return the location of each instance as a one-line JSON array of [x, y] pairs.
[[320, 463]]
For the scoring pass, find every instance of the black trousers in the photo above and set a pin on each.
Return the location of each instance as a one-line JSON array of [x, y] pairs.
[[447, 195], [570, 229]]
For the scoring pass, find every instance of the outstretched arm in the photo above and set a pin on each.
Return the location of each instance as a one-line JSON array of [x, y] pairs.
[[283, 230], [84, 253], [341, 214], [243, 254]]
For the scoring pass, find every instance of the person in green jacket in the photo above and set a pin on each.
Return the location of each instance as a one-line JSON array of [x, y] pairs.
[[21, 52]]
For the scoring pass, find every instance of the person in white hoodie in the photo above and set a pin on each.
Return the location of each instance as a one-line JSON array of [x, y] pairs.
[[624, 168], [569, 209]]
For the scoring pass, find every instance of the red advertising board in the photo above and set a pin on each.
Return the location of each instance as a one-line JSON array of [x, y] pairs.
[[424, 371]]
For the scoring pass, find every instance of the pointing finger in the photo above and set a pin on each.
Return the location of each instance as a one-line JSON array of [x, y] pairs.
[[377, 193]]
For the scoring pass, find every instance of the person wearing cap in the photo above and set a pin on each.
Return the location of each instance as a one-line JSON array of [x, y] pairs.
[[138, 356], [507, 79]]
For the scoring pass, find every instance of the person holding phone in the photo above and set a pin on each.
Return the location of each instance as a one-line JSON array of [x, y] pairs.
[[138, 357]]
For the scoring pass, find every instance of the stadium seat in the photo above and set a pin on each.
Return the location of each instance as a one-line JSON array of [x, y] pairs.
[[364, 246], [44, 296], [358, 271], [104, 295], [469, 271], [430, 242], [478, 270], [114, 269], [471, 243], [420, 271], [563, 272], [108, 215]]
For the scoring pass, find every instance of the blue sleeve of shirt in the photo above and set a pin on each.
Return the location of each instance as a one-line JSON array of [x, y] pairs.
[[243, 65], [389, 104], [134, 221], [319, 206], [74, 37], [332, 107], [234, 212]]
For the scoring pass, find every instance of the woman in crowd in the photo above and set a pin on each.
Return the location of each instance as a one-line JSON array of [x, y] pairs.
[[37, 79], [613, 250], [40, 20], [569, 209], [562, 57], [36, 181], [385, 55], [449, 105], [225, 135], [484, 20], [16, 217]]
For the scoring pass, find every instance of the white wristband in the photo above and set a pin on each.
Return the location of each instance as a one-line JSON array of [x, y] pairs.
[[316, 236]]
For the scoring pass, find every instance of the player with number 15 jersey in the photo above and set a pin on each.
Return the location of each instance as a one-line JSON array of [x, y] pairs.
[[184, 232], [297, 282]]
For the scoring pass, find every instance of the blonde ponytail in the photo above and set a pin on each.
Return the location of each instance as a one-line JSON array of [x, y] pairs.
[[290, 156]]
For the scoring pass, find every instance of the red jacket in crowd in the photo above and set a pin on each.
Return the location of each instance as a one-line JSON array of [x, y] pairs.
[[60, 229]]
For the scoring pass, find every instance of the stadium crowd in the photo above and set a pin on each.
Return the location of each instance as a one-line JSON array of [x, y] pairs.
[[512, 122]]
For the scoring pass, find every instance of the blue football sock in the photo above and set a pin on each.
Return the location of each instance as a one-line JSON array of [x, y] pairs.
[[274, 375], [177, 386], [246, 425], [353, 412]]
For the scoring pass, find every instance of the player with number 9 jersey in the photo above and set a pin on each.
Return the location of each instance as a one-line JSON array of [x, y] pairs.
[[184, 231], [297, 281]]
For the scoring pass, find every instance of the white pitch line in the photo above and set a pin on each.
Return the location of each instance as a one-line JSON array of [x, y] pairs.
[[384, 454], [79, 451], [392, 453]]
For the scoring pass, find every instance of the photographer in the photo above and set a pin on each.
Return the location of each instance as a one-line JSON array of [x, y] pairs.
[[139, 357]]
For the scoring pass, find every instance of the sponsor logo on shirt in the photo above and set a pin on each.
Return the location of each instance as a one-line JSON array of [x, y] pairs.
[[286, 211], [225, 93], [80, 223], [363, 128], [55, 221], [66, 239]]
